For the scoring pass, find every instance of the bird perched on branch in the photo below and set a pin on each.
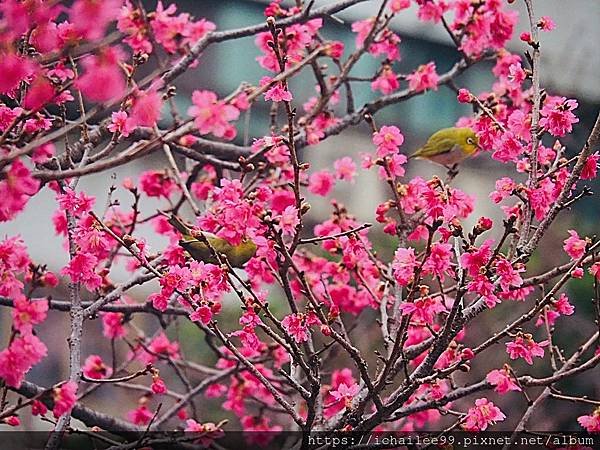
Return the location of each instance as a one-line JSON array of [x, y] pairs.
[[198, 244], [449, 147]]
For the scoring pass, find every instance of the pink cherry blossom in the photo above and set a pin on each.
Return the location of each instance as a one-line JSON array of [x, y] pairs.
[[491, 28], [404, 265], [176, 279], [509, 149], [423, 309], [464, 96], [345, 169], [590, 169], [560, 307], [362, 29], [387, 82], [516, 74], [160, 345], [476, 258], [334, 49], [278, 93], [425, 77], [43, 153], [38, 408], [485, 223], [484, 287], [103, 79], [297, 325], [439, 260], [298, 36], [8, 115], [15, 189], [14, 261], [14, 69], [231, 215], [39, 123], [595, 270], [212, 115], [78, 203], [394, 166], [119, 123], [202, 314], [519, 124], [208, 431], [345, 393], [27, 313], [288, 221], [90, 17], [215, 390], [387, 140], [425, 251], [145, 110], [40, 93], [168, 28], [577, 272], [482, 415], [112, 325], [156, 183], [158, 385], [525, 36], [574, 246], [557, 115], [23, 353], [386, 45], [92, 240], [133, 25], [508, 276], [94, 368], [431, 11], [13, 421], [321, 183], [546, 23], [591, 422], [523, 346], [543, 197], [259, 429], [502, 380], [61, 72], [197, 30], [399, 5], [140, 416], [81, 269], [338, 377]]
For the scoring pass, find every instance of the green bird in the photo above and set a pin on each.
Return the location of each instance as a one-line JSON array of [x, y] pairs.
[[449, 146], [237, 255]]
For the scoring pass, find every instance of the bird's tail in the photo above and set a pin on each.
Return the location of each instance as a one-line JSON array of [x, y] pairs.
[[178, 224]]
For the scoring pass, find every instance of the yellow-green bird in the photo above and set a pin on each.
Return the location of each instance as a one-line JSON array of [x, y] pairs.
[[237, 255], [449, 146]]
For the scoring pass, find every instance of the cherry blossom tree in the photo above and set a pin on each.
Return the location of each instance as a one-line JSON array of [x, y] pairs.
[[88, 86]]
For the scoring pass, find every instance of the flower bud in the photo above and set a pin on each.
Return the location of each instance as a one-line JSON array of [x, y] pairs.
[[304, 208], [464, 96], [484, 224]]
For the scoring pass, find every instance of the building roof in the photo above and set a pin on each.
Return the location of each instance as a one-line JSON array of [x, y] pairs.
[[570, 53]]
